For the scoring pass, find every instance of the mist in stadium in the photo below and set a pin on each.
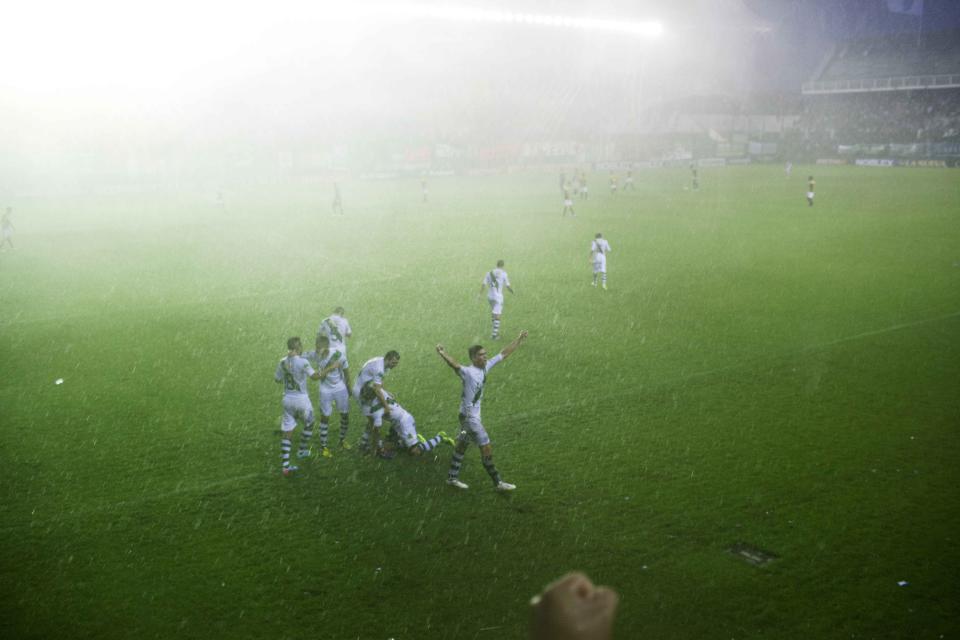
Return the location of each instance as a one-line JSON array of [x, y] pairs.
[[263, 264]]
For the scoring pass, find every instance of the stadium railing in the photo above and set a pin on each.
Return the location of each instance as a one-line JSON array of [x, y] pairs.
[[897, 83]]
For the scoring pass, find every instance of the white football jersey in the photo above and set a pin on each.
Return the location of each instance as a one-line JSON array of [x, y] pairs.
[[599, 246], [373, 372], [293, 372], [337, 330], [473, 380], [333, 381], [495, 281]]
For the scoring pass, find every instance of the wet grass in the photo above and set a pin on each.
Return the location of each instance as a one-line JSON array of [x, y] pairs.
[[759, 373]]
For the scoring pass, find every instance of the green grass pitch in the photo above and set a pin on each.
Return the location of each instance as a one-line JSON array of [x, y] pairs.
[[759, 372]]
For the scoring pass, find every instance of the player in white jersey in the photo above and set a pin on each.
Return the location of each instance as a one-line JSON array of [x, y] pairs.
[[7, 225], [293, 371], [495, 281], [403, 431], [473, 378], [333, 390], [599, 249], [368, 391], [337, 329], [567, 205]]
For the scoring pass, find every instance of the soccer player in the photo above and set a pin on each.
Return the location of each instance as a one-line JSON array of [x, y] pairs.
[[337, 206], [694, 177], [599, 249], [368, 390], [613, 183], [494, 282], [583, 186], [811, 183], [567, 205], [423, 188], [788, 168], [7, 229], [337, 329], [628, 183], [293, 372], [333, 390], [473, 378], [404, 430]]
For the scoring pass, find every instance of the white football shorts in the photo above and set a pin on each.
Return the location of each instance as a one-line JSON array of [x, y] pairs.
[[471, 430], [334, 397], [496, 305], [296, 408]]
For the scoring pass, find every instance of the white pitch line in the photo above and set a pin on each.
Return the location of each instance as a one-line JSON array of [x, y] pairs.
[[741, 365], [523, 415]]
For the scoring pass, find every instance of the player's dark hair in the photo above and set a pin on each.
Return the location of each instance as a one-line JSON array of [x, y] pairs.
[[499, 263], [294, 343], [472, 351], [339, 311], [391, 355], [599, 235]]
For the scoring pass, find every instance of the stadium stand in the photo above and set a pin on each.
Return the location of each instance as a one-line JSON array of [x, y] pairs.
[[897, 90]]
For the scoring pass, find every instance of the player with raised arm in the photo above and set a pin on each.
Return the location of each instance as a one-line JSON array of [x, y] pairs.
[[495, 281], [293, 371], [331, 363], [368, 391], [599, 249], [473, 378]]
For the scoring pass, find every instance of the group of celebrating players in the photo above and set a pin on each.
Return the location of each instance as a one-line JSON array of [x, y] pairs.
[[328, 365]]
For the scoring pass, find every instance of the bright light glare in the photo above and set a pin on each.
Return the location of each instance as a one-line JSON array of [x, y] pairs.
[[51, 45], [649, 29]]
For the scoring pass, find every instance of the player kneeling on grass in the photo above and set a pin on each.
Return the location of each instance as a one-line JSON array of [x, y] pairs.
[[473, 378], [333, 390], [293, 371], [403, 431]]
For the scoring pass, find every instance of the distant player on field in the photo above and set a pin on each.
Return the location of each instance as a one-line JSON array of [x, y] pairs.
[[584, 193], [474, 377], [403, 430], [613, 183], [7, 230], [423, 188], [628, 183], [495, 281], [694, 177], [333, 390], [293, 372], [788, 168], [599, 249], [368, 391], [337, 206], [811, 183], [567, 205]]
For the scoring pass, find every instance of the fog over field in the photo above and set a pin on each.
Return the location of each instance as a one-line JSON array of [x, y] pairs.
[[114, 84]]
